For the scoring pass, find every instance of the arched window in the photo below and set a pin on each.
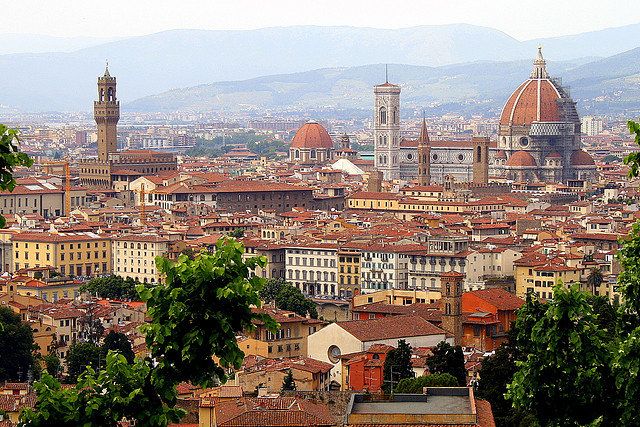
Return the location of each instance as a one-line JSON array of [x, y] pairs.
[[383, 116], [313, 154], [297, 154], [479, 154], [145, 246], [101, 95], [110, 95], [395, 116]]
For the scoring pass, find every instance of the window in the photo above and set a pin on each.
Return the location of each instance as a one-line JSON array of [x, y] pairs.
[[383, 116]]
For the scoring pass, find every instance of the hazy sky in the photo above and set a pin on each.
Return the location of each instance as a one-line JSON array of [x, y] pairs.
[[107, 18]]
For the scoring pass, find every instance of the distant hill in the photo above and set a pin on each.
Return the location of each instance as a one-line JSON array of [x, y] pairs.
[[159, 62], [479, 87], [37, 43]]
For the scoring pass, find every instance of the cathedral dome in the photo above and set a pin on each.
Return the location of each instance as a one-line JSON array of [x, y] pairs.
[[312, 135], [581, 158], [535, 100], [521, 159], [501, 155]]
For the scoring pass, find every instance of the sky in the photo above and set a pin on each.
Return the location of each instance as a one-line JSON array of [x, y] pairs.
[[521, 19]]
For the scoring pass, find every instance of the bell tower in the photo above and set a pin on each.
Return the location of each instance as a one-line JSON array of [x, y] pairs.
[[106, 111], [424, 156], [386, 129], [480, 160], [451, 304]]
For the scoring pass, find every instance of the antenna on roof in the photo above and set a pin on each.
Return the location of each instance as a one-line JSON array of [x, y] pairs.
[[386, 73]]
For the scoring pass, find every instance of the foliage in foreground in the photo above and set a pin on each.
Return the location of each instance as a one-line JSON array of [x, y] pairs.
[[195, 316], [10, 157]]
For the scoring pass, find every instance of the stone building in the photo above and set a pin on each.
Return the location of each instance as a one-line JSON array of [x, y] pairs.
[[539, 140], [311, 145], [111, 165]]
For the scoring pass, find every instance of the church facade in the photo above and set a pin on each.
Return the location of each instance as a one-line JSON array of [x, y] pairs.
[[539, 139]]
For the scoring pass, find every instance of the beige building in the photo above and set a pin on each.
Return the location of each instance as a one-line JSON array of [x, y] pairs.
[[336, 339], [308, 374], [489, 263], [31, 196], [134, 255]]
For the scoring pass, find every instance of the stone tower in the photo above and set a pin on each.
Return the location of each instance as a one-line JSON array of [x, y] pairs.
[[480, 160], [424, 156], [451, 304], [106, 111], [386, 130]]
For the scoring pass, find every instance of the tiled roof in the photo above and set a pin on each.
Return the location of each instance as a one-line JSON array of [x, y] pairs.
[[499, 298], [390, 328]]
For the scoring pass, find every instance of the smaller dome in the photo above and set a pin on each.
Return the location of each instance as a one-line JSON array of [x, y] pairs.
[[521, 159], [553, 155], [312, 135], [581, 158], [501, 155]]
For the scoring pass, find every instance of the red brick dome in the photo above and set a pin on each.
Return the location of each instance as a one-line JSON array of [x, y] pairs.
[[581, 158], [535, 100], [553, 155], [521, 159], [311, 135]]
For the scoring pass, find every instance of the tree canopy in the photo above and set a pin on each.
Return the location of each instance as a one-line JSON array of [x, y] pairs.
[[195, 316], [397, 366], [16, 342], [288, 297], [417, 384], [288, 383], [450, 360], [79, 356], [117, 341], [113, 287]]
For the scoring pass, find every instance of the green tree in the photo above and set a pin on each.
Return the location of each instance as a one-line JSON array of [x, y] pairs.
[[271, 289], [101, 398], [397, 366], [291, 298], [594, 279], [52, 364], [198, 311], [16, 342], [288, 383], [81, 355], [195, 316], [237, 233], [416, 385], [497, 371], [450, 360], [117, 341], [565, 378], [10, 157], [113, 287]]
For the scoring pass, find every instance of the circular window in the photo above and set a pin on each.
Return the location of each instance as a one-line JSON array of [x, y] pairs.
[[460, 157], [334, 353], [434, 157], [524, 142], [409, 156]]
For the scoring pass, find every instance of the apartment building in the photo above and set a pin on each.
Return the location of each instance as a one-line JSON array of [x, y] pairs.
[[134, 255], [73, 254], [313, 268]]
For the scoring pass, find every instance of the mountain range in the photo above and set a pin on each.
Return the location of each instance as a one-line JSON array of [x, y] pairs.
[[155, 63]]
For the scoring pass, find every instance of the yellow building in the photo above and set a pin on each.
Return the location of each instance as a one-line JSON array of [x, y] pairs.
[[397, 297], [134, 255], [369, 200], [73, 254], [539, 277], [289, 341], [348, 272], [50, 290], [308, 374], [31, 196]]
